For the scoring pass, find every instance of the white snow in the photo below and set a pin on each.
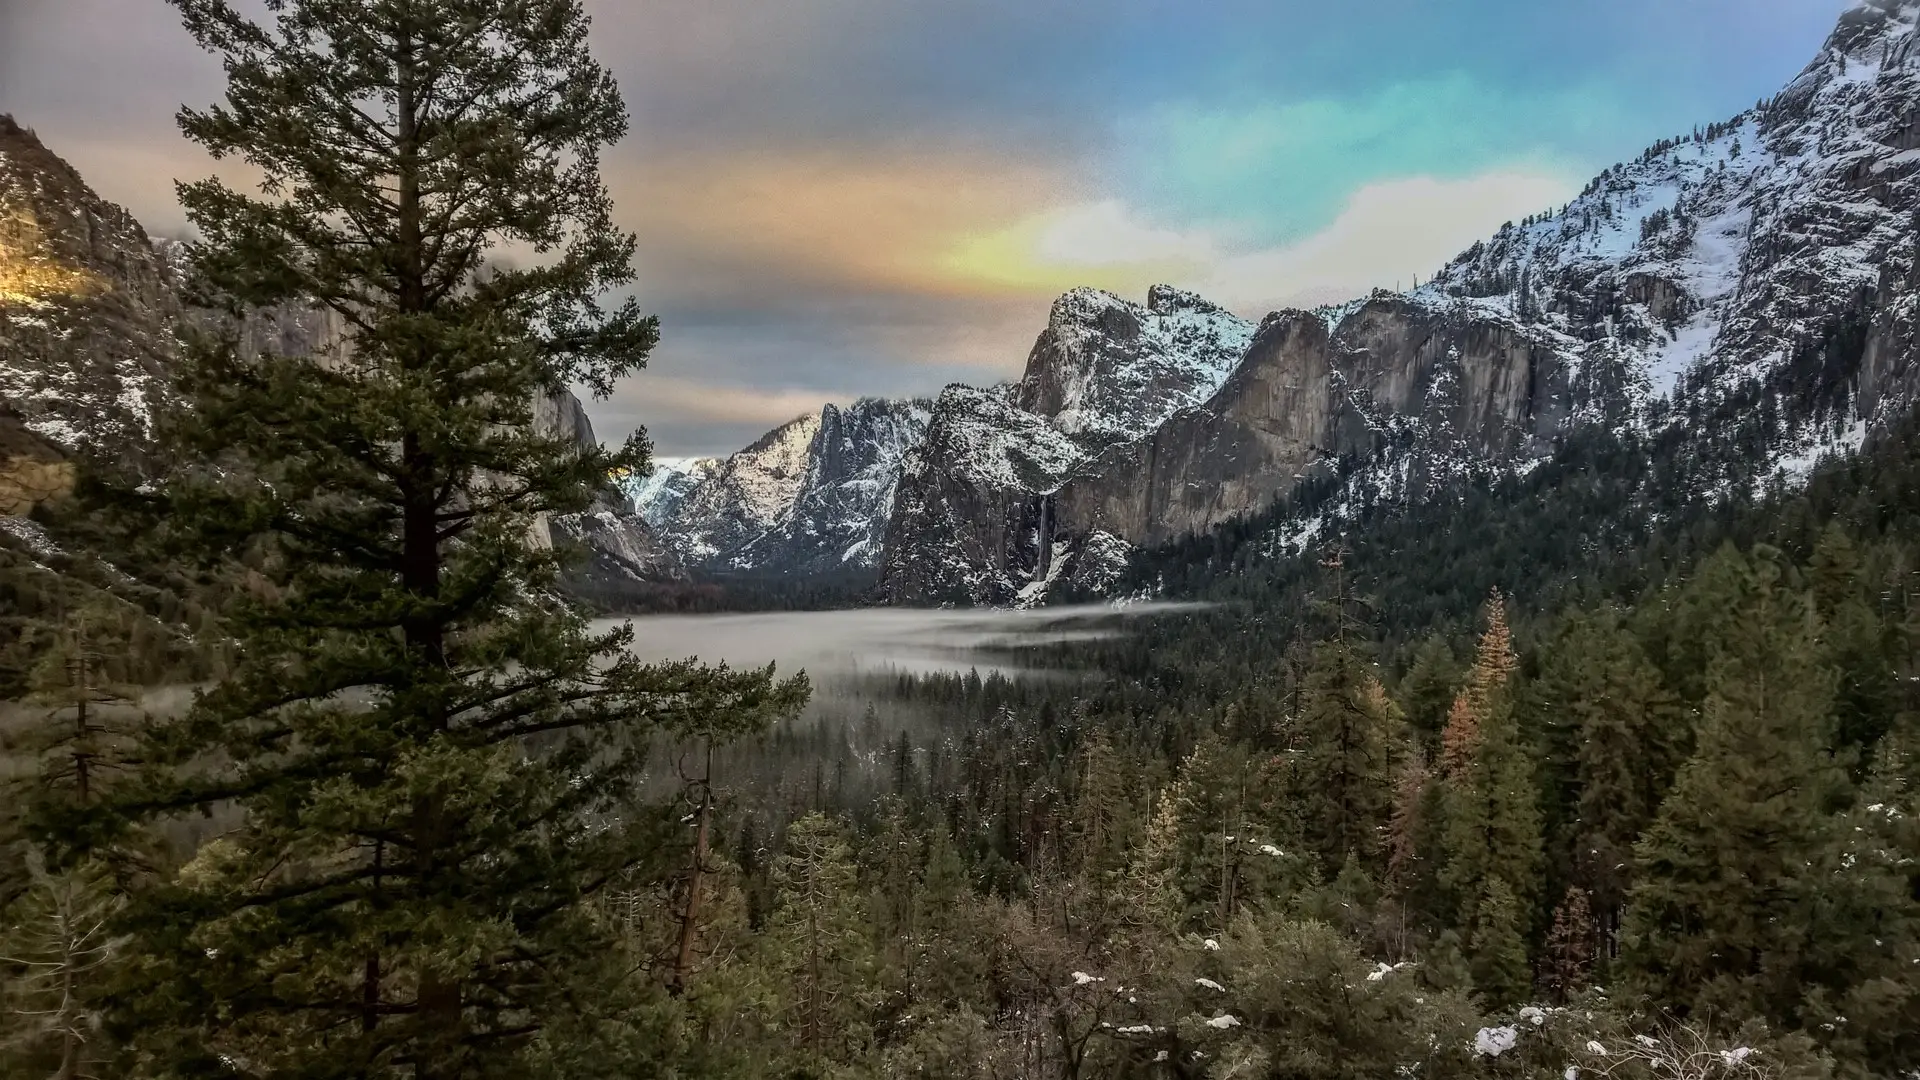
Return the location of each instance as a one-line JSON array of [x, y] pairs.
[[1125, 387], [1494, 1041], [1224, 1021], [658, 494]]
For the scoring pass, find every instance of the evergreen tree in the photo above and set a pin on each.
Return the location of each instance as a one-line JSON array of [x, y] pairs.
[[1725, 911], [1872, 908], [906, 776], [431, 762], [1102, 814], [1496, 942], [1614, 738], [1490, 829], [1569, 959], [820, 944], [1427, 690], [1347, 735], [1854, 642]]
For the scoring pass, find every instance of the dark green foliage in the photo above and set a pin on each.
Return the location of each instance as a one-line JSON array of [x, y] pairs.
[[1748, 902], [429, 763], [1614, 736], [1347, 740]]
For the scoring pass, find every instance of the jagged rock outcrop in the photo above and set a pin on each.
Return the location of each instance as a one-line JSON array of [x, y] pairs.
[[838, 517], [1306, 394], [973, 520], [811, 497], [87, 306], [965, 525], [1105, 368], [32, 470], [744, 496]]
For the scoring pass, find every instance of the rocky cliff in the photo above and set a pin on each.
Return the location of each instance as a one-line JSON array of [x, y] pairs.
[[1105, 368], [87, 306], [811, 497]]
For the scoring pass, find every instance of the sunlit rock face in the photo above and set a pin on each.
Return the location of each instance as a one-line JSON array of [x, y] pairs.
[[32, 470], [87, 306]]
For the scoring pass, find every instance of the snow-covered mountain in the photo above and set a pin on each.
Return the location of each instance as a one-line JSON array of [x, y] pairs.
[[1743, 296], [658, 495], [1744, 292], [811, 496], [838, 517], [1104, 371], [1105, 368]]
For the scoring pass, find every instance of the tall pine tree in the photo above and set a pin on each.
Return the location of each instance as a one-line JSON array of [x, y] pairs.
[[1348, 735], [1726, 914], [1614, 739], [1490, 818], [429, 761]]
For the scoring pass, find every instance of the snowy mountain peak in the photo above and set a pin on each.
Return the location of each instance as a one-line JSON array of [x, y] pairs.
[[1107, 368], [1168, 300], [1870, 23], [811, 496], [657, 495]]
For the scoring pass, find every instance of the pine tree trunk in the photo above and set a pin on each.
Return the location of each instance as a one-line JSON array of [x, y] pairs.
[[690, 916]]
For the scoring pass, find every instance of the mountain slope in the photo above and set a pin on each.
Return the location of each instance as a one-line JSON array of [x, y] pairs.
[[838, 517], [1107, 368], [657, 495]]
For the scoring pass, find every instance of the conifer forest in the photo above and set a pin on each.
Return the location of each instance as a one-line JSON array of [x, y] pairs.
[[1491, 708]]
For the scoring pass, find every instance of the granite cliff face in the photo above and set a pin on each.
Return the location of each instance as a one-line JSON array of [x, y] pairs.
[[838, 517], [974, 520], [1306, 395], [1105, 368], [87, 306], [743, 497], [811, 497]]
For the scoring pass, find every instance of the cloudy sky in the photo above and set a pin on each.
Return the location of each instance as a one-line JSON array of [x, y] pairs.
[[846, 197]]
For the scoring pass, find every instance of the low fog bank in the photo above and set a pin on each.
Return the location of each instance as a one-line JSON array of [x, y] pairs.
[[879, 640]]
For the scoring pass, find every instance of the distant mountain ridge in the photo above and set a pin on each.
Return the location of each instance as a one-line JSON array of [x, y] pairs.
[[1746, 293]]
